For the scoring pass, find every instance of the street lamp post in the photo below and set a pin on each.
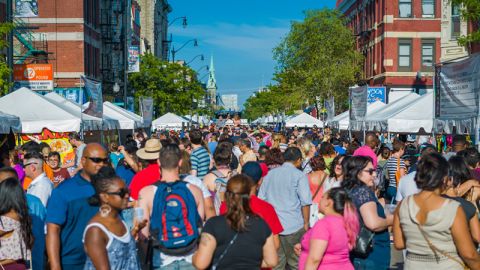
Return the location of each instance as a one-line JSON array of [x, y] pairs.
[[202, 67], [195, 44], [184, 21], [201, 59]]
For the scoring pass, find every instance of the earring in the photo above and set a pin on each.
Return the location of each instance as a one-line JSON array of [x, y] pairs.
[[104, 210]]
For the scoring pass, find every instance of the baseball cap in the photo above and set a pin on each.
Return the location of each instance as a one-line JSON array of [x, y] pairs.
[[253, 170]]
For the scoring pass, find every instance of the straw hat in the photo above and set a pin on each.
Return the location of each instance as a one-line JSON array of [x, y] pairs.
[[151, 150]]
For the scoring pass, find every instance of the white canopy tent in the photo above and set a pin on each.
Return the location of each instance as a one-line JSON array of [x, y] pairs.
[[170, 120], [303, 120], [379, 120], [418, 115], [9, 122], [127, 119], [37, 112], [201, 119], [89, 122], [342, 121]]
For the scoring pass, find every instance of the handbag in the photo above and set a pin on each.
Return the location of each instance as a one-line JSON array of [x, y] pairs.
[[364, 242], [314, 214]]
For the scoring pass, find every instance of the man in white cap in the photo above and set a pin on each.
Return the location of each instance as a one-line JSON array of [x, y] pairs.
[[151, 173]]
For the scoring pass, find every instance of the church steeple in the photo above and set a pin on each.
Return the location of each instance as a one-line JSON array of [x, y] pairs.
[[212, 82]]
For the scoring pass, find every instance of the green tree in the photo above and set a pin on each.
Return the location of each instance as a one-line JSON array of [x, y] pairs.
[[172, 86], [5, 71], [470, 11], [317, 58]]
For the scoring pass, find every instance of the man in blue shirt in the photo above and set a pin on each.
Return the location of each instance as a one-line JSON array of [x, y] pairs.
[[287, 189], [68, 212], [199, 158]]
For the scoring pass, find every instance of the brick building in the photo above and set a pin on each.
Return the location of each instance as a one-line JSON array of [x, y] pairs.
[[400, 40], [72, 32]]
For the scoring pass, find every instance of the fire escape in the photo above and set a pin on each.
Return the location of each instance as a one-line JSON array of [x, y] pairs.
[[112, 62], [27, 48]]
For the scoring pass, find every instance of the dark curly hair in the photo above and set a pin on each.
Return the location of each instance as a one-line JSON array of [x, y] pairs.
[[352, 168], [101, 182], [274, 156]]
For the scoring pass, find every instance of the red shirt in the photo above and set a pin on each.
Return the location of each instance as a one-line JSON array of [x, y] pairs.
[[262, 209], [148, 176]]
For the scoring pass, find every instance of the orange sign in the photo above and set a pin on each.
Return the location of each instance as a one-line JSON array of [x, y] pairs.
[[33, 76]]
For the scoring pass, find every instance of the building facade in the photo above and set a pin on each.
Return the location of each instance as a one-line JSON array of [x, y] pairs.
[[230, 102], [400, 41], [452, 28], [154, 21]]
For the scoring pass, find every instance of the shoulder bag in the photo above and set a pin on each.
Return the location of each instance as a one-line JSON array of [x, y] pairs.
[[314, 214], [215, 265]]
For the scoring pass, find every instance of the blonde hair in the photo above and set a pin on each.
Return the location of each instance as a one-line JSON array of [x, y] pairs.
[[305, 146]]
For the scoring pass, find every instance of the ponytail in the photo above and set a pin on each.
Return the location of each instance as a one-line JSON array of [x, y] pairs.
[[343, 205], [352, 226]]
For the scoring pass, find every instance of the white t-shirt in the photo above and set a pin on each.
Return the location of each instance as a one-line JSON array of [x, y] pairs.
[[407, 187], [191, 179]]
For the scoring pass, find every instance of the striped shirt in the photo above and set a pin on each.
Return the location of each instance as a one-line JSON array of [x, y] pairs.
[[200, 161], [392, 169]]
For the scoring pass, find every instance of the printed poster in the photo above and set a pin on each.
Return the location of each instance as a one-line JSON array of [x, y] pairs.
[[58, 142], [377, 93], [133, 59]]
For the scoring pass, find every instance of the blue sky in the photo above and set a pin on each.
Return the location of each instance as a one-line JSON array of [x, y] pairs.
[[239, 34]]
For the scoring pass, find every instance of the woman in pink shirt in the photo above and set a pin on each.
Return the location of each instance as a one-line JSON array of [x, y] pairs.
[[327, 245]]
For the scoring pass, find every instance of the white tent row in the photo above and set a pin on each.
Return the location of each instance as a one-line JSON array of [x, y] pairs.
[[303, 120], [409, 114], [201, 119], [342, 121], [126, 120], [170, 121], [9, 123], [89, 122], [37, 112]]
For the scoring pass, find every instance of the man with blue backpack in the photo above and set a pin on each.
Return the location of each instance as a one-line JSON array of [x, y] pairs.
[[174, 210]]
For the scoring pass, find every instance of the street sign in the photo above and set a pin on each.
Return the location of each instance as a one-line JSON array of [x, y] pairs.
[[377, 93], [37, 77]]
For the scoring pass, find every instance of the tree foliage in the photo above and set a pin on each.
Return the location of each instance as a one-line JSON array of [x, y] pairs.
[[470, 11], [5, 71], [173, 87], [317, 58]]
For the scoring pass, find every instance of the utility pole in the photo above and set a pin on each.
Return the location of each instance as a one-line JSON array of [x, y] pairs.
[[10, 42], [125, 75]]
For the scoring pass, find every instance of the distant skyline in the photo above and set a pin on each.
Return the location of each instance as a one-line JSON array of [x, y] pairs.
[[240, 35]]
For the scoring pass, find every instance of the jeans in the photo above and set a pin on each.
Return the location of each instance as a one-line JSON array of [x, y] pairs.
[[391, 194], [286, 253], [364, 264], [178, 265]]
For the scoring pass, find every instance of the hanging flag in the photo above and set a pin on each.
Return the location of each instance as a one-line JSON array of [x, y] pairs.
[[26, 8], [330, 107], [93, 91], [133, 59], [130, 103], [146, 106], [358, 102]]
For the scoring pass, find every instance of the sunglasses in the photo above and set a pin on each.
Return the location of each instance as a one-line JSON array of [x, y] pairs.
[[30, 163], [370, 171], [122, 192], [98, 160]]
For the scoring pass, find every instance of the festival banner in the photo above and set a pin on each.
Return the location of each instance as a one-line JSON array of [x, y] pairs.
[[33, 76], [58, 142], [146, 106], [330, 107], [358, 102], [377, 93], [93, 91], [133, 59], [130, 104], [26, 8], [457, 89]]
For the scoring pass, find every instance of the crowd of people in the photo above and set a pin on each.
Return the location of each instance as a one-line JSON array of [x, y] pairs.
[[241, 198]]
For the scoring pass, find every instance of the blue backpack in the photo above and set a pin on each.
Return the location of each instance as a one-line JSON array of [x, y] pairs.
[[175, 221]]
